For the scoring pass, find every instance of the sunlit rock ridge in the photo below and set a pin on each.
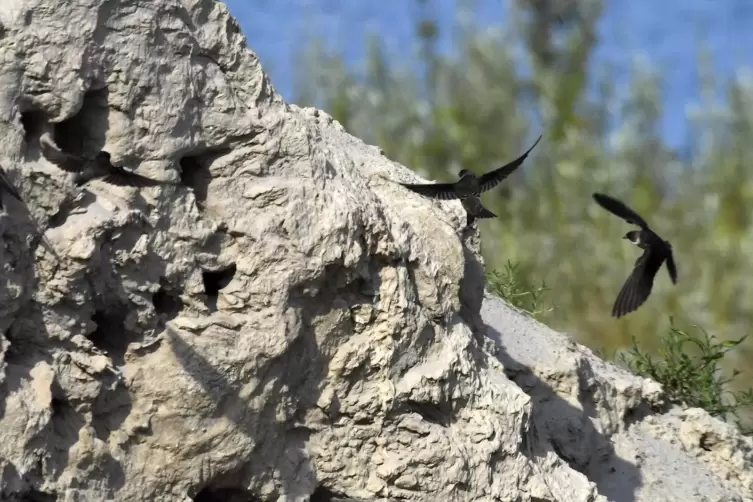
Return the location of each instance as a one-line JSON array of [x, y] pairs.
[[284, 322]]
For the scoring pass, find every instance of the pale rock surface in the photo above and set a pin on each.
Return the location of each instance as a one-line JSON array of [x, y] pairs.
[[288, 323], [614, 426]]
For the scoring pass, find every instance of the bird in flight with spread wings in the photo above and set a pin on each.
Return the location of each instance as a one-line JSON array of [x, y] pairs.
[[100, 167], [470, 187], [656, 251]]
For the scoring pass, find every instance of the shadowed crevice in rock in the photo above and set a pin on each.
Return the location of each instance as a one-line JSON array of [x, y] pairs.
[[461, 489], [214, 282], [166, 301], [195, 173], [84, 133], [17, 488], [211, 494], [12, 486], [323, 494], [110, 335], [33, 122], [221, 486], [644, 410], [34, 495], [436, 413]]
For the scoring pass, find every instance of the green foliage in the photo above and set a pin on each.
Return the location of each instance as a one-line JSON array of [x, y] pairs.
[[688, 367], [509, 284]]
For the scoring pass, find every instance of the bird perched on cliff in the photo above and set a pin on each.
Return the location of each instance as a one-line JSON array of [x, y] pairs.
[[656, 251], [7, 188], [99, 167], [470, 187]]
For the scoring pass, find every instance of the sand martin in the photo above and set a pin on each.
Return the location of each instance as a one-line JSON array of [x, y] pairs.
[[99, 167], [656, 251], [470, 187]]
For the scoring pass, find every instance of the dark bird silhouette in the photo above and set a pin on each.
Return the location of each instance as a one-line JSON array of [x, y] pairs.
[[470, 187], [656, 251], [100, 167]]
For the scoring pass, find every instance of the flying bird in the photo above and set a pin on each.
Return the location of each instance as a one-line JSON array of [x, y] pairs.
[[99, 167], [656, 251], [470, 187]]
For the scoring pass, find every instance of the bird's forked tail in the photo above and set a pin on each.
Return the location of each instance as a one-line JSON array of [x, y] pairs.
[[482, 213], [485, 213]]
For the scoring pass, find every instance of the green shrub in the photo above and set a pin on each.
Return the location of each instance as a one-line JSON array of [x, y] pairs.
[[510, 285], [687, 365]]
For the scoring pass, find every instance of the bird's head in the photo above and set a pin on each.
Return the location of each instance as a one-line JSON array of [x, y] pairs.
[[463, 172], [633, 236]]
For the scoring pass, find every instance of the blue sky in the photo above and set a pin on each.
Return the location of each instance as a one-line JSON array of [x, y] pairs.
[[664, 34]]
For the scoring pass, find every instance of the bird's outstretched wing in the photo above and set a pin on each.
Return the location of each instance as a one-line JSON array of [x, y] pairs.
[[620, 209], [63, 160], [493, 178], [671, 267], [442, 191], [120, 177], [638, 285]]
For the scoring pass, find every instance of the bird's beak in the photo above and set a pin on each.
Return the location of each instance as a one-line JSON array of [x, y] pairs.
[[624, 237]]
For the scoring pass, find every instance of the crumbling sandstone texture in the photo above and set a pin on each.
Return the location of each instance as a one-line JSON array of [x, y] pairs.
[[285, 324]]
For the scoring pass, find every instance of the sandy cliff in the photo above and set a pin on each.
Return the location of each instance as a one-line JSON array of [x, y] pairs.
[[284, 322]]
